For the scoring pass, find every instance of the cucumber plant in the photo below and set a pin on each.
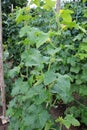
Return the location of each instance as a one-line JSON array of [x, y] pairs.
[[52, 68]]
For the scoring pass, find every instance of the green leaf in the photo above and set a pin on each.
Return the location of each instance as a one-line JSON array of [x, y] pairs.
[[30, 120], [41, 38], [49, 77], [67, 18], [82, 29], [36, 2], [72, 61], [70, 120], [78, 37], [41, 97], [81, 55], [14, 72], [49, 4], [29, 32], [83, 47], [6, 55], [79, 81], [52, 51], [19, 16], [37, 94], [85, 40], [33, 57], [62, 88], [66, 15], [37, 117], [20, 87], [84, 0], [34, 35], [43, 118], [48, 126], [74, 110], [75, 69], [83, 90]]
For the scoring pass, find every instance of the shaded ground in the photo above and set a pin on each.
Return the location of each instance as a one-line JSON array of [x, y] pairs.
[[59, 111]]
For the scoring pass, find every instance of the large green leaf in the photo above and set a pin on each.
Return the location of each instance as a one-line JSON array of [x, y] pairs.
[[62, 88], [67, 18], [14, 72], [29, 32], [38, 95], [20, 87], [37, 117], [66, 15], [49, 77], [34, 35], [41, 38], [70, 120], [33, 57], [43, 117]]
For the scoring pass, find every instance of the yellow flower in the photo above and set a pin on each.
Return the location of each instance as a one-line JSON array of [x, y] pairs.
[[27, 9], [48, 40], [63, 26], [61, 11]]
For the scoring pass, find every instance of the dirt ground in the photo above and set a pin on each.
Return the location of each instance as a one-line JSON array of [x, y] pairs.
[[59, 111]]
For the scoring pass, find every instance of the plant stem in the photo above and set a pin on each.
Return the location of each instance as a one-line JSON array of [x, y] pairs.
[[27, 72], [60, 126], [80, 103]]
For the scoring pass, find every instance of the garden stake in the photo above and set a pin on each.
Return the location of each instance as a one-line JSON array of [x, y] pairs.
[[2, 87], [58, 6], [3, 119]]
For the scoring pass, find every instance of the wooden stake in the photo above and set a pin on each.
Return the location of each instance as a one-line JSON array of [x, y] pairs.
[[2, 87], [58, 5]]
